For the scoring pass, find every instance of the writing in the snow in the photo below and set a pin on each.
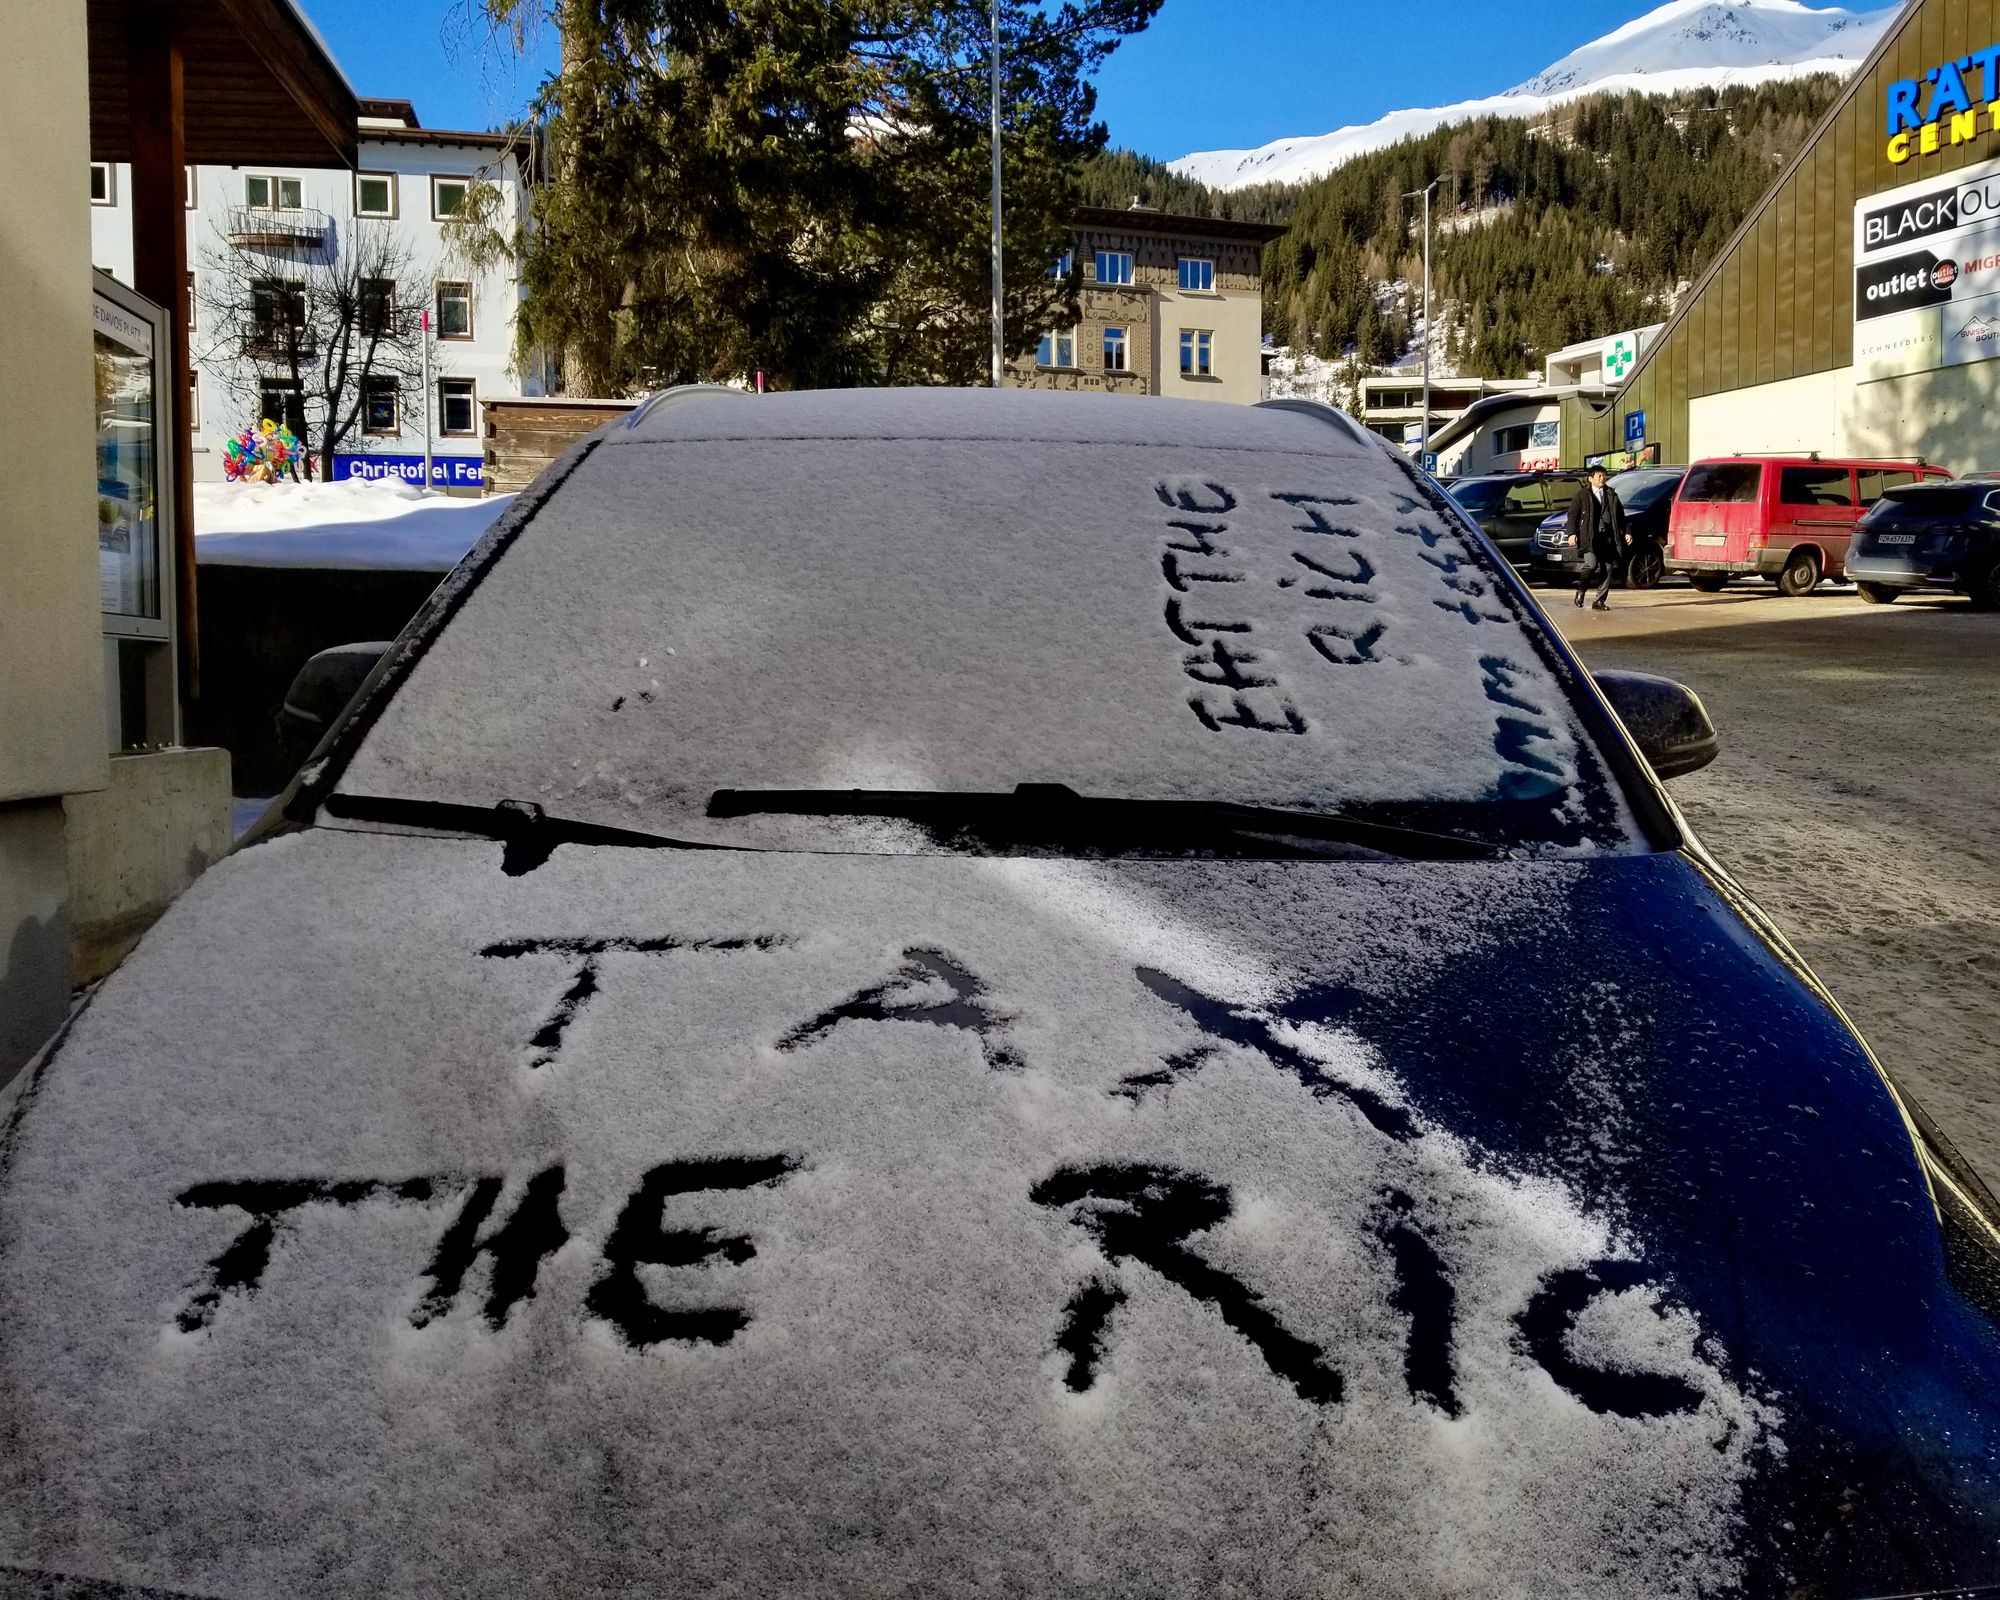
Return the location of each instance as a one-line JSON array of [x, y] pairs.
[[1232, 647], [1238, 686], [513, 1246], [496, 1230]]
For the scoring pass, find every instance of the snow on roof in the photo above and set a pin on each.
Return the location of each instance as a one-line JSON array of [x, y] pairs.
[[820, 1224], [374, 523], [969, 590]]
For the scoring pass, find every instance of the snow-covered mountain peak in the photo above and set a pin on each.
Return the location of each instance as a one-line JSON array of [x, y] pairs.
[[1714, 33], [1682, 45]]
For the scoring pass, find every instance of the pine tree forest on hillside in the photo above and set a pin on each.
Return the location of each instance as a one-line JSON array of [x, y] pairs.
[[1546, 231]]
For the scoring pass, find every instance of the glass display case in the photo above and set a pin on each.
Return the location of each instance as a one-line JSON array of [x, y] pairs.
[[135, 501]]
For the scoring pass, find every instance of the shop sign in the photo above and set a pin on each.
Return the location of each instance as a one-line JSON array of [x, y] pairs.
[[1949, 105], [1618, 357], [1927, 270], [447, 472]]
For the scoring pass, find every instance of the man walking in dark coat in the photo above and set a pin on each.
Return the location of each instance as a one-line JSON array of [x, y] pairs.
[[1597, 529]]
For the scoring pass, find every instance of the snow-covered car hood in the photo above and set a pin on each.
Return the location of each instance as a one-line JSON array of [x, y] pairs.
[[719, 1223]]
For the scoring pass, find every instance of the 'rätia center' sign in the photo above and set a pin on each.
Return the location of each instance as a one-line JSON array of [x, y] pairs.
[[1940, 109]]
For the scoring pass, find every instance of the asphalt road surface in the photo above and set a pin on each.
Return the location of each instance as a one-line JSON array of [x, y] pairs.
[[1857, 798]]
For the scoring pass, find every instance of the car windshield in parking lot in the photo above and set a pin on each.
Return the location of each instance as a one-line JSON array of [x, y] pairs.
[[1640, 489], [1480, 494], [1723, 481], [1209, 607], [1924, 504]]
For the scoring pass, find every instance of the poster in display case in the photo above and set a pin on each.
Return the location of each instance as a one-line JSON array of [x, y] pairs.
[[129, 351]]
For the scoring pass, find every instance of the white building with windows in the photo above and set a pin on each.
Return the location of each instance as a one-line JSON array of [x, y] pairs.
[[410, 178], [1170, 305]]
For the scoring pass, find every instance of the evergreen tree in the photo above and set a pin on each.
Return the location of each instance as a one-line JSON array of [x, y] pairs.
[[801, 186]]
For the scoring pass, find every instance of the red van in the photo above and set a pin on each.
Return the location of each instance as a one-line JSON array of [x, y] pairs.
[[1787, 517]]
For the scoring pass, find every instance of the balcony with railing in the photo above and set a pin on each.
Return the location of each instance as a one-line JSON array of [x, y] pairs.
[[277, 227]]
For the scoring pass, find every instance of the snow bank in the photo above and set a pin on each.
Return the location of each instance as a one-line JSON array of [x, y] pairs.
[[379, 523]]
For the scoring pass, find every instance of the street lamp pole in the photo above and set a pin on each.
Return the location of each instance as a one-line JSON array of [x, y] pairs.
[[999, 314], [1424, 428]]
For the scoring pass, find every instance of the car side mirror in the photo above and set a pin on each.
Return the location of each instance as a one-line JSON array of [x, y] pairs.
[[323, 687], [1665, 719]]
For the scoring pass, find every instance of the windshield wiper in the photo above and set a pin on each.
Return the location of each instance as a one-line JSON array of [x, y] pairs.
[[529, 833], [1044, 813]]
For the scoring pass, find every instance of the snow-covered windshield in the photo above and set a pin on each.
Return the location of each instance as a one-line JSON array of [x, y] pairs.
[[961, 591]]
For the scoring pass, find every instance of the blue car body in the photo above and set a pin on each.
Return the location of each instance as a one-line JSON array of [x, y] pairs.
[[446, 1197], [1939, 538]]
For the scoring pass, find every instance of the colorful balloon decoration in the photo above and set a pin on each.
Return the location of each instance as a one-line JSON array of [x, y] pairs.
[[265, 454]]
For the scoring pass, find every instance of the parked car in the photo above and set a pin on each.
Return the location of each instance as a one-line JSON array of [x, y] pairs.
[[1647, 494], [823, 1024], [1786, 518], [1510, 506], [1931, 538]]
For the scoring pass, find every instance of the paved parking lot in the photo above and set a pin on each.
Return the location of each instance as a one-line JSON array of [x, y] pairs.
[[1857, 797]]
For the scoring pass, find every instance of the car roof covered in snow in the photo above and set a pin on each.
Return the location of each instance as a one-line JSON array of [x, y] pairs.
[[969, 590]]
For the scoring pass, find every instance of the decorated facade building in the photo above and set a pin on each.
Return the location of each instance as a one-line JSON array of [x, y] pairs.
[[1171, 305]]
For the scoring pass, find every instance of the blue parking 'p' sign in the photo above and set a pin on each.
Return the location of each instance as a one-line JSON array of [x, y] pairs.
[[1635, 427]]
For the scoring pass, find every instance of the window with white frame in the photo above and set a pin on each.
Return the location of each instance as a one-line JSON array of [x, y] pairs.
[[191, 302], [1197, 274], [277, 318], [282, 401], [375, 194], [454, 310], [457, 410], [1114, 266], [1115, 350], [1060, 267], [101, 191], [1197, 345], [448, 196], [190, 188], [381, 406], [194, 402], [376, 308], [273, 193], [1057, 348]]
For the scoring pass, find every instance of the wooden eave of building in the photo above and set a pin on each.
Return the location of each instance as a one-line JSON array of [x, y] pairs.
[[260, 88], [477, 141], [1177, 224]]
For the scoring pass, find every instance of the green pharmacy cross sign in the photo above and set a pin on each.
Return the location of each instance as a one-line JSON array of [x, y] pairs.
[[1619, 356]]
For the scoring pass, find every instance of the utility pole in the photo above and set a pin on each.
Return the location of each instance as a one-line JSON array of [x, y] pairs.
[[999, 313], [424, 329], [1424, 433]]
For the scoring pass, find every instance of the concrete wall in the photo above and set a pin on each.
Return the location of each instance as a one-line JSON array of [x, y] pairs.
[[51, 652], [134, 846], [1950, 416], [34, 929], [51, 643], [1796, 414], [1947, 416]]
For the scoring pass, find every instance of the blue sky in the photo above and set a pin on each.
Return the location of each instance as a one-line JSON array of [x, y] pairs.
[[1208, 74]]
